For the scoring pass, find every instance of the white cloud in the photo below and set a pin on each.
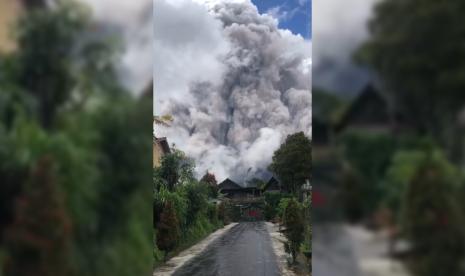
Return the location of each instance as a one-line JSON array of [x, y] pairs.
[[282, 13]]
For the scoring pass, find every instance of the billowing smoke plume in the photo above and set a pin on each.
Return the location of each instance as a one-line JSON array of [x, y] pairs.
[[255, 91], [339, 28]]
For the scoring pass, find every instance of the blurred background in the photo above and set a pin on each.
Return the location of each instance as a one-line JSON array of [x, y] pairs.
[[75, 138], [388, 134]]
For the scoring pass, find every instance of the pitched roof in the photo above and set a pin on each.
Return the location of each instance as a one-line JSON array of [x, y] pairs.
[[228, 184], [272, 184], [370, 107]]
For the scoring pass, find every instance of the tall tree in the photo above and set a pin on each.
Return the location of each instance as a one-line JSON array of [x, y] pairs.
[[292, 162], [210, 180], [416, 47]]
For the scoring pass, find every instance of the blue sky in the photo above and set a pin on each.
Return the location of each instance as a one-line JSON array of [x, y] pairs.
[[295, 15]]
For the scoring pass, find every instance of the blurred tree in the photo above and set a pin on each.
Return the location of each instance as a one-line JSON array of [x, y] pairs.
[[40, 237], [352, 195], [369, 155], [433, 222], [63, 77], [46, 42], [292, 162], [424, 76]]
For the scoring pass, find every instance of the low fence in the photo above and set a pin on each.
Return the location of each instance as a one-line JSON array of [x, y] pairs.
[[246, 209]]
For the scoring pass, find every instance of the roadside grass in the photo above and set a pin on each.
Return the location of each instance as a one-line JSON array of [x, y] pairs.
[[200, 229]]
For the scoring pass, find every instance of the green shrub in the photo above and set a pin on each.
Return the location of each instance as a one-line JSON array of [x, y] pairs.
[[368, 154], [157, 253], [282, 207], [196, 195], [432, 220], [39, 239], [294, 224], [272, 200], [168, 229], [212, 213], [178, 200], [223, 213]]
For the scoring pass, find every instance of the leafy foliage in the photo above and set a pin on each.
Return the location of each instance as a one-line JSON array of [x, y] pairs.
[[293, 221], [292, 162], [272, 201], [168, 231], [210, 180], [55, 92], [425, 78], [39, 239], [429, 194]]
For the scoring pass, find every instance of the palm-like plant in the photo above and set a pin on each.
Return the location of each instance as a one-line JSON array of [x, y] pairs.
[[163, 120]]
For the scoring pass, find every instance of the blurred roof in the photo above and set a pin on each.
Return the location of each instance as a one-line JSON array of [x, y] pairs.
[[228, 184]]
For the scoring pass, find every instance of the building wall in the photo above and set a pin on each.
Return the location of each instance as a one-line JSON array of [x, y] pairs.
[[157, 154], [10, 11]]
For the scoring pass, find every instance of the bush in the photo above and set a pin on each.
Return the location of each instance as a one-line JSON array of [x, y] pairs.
[[177, 198], [212, 213], [223, 213], [368, 155], [294, 223], [39, 239], [168, 229], [196, 195], [281, 210], [272, 200], [432, 220]]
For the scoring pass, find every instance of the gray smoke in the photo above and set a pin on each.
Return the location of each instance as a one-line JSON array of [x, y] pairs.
[[339, 28], [132, 21], [250, 88]]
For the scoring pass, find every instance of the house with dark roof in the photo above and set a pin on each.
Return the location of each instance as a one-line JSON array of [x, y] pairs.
[[232, 190], [371, 111], [272, 185]]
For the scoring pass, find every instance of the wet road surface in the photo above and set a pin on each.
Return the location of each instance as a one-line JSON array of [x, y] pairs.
[[245, 250], [333, 251]]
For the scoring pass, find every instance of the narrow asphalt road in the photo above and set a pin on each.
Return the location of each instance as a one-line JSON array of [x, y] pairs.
[[245, 250], [333, 251]]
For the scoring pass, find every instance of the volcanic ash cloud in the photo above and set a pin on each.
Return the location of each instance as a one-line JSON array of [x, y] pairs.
[[232, 122]]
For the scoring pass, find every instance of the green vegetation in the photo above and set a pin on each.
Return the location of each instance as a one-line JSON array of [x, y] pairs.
[[418, 177], [273, 208], [292, 166], [182, 208], [294, 223], [74, 200], [426, 82], [292, 162], [430, 193]]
